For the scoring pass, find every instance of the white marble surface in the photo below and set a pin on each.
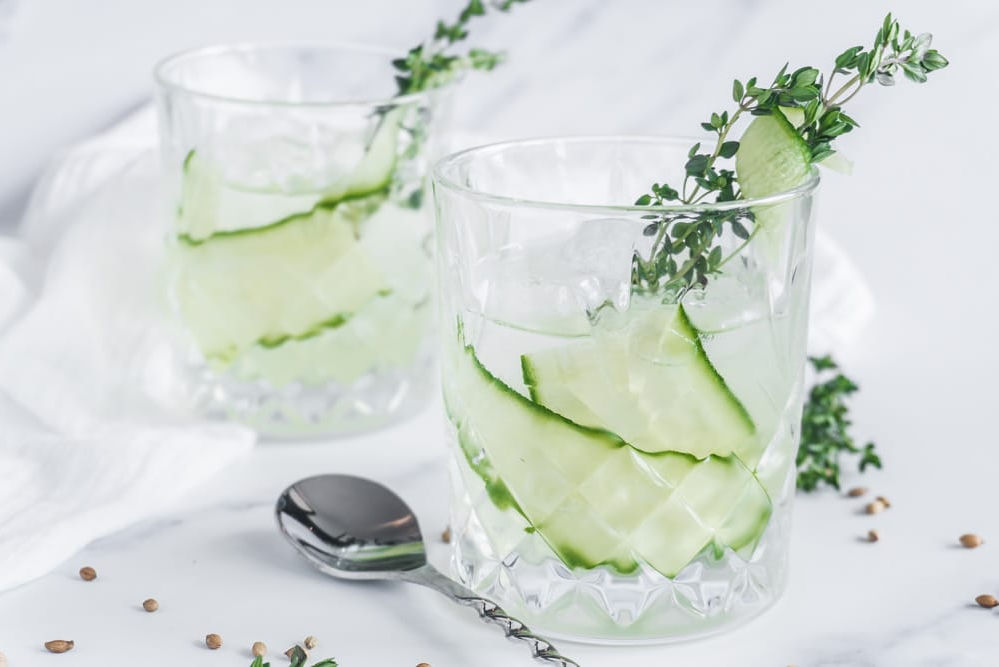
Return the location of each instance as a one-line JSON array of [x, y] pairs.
[[913, 215]]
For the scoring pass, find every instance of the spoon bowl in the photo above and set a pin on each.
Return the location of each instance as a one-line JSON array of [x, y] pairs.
[[351, 527]]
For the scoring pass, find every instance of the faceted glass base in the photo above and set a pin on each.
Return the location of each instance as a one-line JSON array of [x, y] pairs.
[[713, 593], [298, 410]]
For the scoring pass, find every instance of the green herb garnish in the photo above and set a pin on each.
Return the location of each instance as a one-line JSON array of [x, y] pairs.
[[825, 426], [298, 659], [430, 65], [685, 251]]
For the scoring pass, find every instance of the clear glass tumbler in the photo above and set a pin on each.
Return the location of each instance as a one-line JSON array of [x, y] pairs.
[[300, 257], [623, 421]]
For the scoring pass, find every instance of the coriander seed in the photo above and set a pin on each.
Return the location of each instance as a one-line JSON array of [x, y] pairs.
[[88, 573], [311, 642], [883, 501], [296, 651], [875, 507], [213, 641], [259, 649], [856, 492], [60, 645], [987, 601], [150, 605], [873, 536], [970, 541], [423, 664], [446, 535]]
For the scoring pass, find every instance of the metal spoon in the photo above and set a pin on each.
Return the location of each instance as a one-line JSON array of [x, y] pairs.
[[354, 528]]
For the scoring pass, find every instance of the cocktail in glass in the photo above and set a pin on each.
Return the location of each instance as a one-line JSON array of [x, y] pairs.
[[300, 254], [623, 417]]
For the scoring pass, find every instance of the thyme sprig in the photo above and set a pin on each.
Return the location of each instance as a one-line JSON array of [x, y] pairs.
[[686, 248], [298, 658], [825, 426], [430, 64]]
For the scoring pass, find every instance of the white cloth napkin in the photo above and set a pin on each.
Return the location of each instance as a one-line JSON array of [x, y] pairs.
[[95, 429]]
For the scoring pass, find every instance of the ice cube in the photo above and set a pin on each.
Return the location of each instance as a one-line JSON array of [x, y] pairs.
[[288, 153], [594, 263], [558, 282], [733, 298]]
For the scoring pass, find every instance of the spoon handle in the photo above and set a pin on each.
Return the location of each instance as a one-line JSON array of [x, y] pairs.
[[541, 648]]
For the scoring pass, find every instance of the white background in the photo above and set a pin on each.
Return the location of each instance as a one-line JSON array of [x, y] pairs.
[[917, 216]]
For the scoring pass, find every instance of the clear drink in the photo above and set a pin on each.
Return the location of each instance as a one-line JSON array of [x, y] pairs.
[[300, 254], [623, 451]]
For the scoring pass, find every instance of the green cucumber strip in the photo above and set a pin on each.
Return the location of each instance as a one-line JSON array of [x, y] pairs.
[[375, 170], [594, 499], [351, 208], [208, 203], [210, 207], [772, 157], [386, 333], [267, 287], [557, 398], [651, 384], [338, 320], [199, 196]]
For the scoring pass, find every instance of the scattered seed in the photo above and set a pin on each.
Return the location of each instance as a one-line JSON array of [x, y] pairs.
[[970, 541], [59, 645], [259, 649], [423, 664], [213, 641], [150, 605], [88, 573], [875, 507], [873, 536], [446, 535], [311, 642], [883, 501], [856, 491], [987, 601]]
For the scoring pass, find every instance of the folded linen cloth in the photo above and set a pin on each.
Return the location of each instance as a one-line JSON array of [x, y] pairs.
[[96, 431]]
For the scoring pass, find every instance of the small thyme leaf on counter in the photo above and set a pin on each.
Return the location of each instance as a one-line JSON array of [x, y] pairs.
[[686, 249], [299, 657], [825, 430]]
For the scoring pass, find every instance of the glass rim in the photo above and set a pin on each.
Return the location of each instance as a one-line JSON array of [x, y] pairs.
[[167, 83], [440, 177]]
